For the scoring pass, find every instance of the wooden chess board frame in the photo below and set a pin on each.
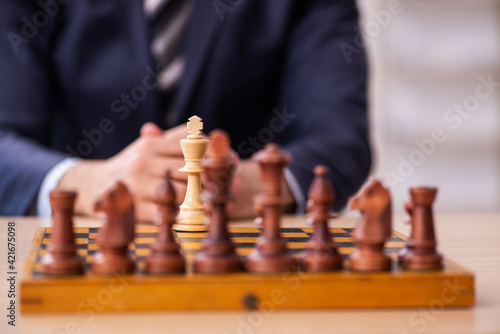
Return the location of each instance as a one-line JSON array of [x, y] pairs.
[[451, 287]]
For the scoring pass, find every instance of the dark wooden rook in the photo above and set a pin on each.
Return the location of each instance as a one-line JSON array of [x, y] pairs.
[[165, 255], [270, 254], [218, 253], [420, 251], [372, 229], [61, 258], [116, 233], [321, 253]]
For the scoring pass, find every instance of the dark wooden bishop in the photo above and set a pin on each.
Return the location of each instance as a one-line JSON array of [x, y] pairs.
[[165, 255], [372, 229], [420, 251], [270, 254], [117, 232], [321, 253], [61, 258], [218, 252]]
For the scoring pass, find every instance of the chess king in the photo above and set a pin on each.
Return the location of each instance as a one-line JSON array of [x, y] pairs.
[[192, 214]]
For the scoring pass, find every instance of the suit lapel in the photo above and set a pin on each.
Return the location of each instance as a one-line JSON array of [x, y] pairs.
[[203, 30]]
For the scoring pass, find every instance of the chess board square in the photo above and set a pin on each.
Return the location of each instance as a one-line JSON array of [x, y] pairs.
[[398, 244], [242, 240], [395, 239], [80, 235], [294, 235], [238, 229], [146, 229], [148, 241], [254, 235], [244, 251], [144, 252], [289, 230], [346, 244], [333, 230], [191, 246], [294, 251], [82, 251], [245, 245], [342, 239], [190, 235], [346, 250], [144, 235], [296, 245]]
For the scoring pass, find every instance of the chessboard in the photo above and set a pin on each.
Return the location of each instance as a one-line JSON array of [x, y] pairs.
[[451, 287]]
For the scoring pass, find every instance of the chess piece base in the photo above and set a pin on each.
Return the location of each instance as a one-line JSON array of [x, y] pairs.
[[161, 264], [259, 262], [72, 265], [321, 261], [112, 262], [190, 228], [412, 261], [212, 264], [369, 261]]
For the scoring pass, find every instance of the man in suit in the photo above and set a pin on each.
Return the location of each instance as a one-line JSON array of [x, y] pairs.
[[99, 80]]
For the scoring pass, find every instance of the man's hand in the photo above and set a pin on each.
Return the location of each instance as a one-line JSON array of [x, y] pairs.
[[141, 166]]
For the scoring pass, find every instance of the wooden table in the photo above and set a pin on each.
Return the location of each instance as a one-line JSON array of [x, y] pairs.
[[472, 240]]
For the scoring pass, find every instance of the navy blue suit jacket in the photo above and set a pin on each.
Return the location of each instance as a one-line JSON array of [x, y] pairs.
[[77, 78]]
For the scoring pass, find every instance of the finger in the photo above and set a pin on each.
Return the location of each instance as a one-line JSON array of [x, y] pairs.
[[160, 145], [174, 137], [145, 187], [150, 129], [176, 133], [159, 166]]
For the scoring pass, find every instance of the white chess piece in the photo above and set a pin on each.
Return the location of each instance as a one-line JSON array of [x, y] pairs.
[[192, 214]]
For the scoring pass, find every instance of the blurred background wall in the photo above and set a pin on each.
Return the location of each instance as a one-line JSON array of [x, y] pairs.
[[435, 98]]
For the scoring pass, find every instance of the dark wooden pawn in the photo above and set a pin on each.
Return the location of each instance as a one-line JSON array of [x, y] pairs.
[[61, 258], [321, 253], [116, 234], [421, 246], [165, 255], [372, 229], [218, 253], [270, 254]]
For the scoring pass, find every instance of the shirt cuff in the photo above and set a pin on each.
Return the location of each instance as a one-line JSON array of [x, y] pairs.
[[296, 190], [50, 182]]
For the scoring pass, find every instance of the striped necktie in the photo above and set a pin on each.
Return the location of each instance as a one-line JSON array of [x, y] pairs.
[[168, 24]]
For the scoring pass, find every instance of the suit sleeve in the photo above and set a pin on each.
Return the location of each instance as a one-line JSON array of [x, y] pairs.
[[26, 95], [324, 97]]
